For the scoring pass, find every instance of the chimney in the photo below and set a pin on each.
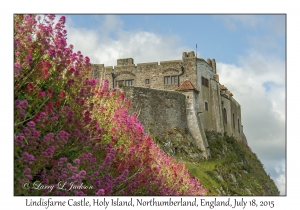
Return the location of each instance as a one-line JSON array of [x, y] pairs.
[[214, 68]]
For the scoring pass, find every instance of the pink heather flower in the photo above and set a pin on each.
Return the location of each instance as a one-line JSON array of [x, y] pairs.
[[35, 133], [62, 95], [19, 140], [29, 58], [41, 94], [76, 73], [49, 138], [40, 117], [69, 165], [27, 171], [27, 158], [62, 19], [31, 124], [82, 173], [100, 192], [63, 159], [48, 153], [64, 176], [17, 69], [30, 87], [87, 59], [76, 161], [79, 193], [16, 41], [51, 17], [24, 104]]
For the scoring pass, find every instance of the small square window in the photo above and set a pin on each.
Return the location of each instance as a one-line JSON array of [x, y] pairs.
[[147, 81]]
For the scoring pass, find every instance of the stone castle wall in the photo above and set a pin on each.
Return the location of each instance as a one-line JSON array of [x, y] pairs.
[[157, 110], [164, 108]]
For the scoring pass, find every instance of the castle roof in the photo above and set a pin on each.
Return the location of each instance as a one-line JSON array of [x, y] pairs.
[[187, 85]]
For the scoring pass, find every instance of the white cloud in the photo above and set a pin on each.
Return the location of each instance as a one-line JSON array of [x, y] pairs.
[[280, 180], [112, 42]]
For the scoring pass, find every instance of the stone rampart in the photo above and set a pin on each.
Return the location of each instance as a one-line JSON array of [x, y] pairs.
[[157, 110]]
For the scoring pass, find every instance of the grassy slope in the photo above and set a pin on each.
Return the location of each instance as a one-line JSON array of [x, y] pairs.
[[232, 170]]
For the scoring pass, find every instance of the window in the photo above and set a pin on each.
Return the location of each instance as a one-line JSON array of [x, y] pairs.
[[170, 80], [147, 81], [233, 121], [129, 82], [206, 106], [167, 80], [204, 82], [224, 116], [174, 79], [121, 83], [239, 125]]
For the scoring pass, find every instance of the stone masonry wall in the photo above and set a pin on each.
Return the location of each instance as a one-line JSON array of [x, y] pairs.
[[233, 112], [157, 110]]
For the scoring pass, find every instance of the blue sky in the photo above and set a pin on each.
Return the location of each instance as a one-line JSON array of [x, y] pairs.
[[213, 34], [250, 51]]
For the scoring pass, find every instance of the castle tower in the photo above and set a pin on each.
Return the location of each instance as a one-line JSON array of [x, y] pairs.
[[192, 110]]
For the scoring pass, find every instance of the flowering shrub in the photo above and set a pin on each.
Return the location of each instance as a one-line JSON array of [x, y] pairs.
[[74, 133]]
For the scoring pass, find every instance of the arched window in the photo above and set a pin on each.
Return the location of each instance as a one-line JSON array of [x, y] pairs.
[[233, 121], [239, 125], [224, 116]]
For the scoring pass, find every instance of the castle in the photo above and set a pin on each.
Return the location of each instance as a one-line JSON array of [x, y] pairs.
[[179, 93]]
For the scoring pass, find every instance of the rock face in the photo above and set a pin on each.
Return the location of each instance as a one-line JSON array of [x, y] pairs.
[[177, 143], [233, 169]]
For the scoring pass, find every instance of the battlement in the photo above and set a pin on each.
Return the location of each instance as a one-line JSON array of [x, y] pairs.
[[125, 61], [129, 62], [188, 55]]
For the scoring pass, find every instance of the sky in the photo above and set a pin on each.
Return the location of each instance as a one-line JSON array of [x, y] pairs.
[[250, 51]]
